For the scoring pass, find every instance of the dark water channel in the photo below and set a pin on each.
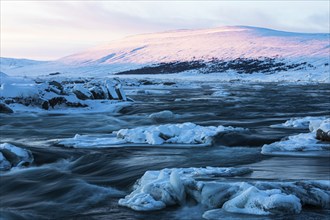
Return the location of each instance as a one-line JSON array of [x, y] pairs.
[[67, 183]]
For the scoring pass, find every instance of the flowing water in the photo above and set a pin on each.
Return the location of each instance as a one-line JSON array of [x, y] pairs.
[[68, 183]]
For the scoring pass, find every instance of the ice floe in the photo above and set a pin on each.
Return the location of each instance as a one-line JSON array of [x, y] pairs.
[[167, 134], [220, 93], [13, 156], [315, 140], [304, 122], [207, 186]]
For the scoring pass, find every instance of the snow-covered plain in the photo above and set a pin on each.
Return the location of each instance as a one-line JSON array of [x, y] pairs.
[[158, 189], [186, 134]]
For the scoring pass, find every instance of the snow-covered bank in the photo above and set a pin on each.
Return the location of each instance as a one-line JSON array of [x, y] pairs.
[[60, 95], [316, 140], [13, 156], [167, 134], [159, 189]]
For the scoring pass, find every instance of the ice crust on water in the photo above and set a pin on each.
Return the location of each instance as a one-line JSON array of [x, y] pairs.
[[304, 141], [159, 189], [12, 156], [163, 115], [186, 133]]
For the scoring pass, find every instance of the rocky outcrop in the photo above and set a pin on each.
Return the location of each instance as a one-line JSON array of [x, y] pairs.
[[66, 93]]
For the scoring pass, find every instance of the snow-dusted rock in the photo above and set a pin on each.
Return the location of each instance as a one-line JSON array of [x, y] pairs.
[[62, 93], [81, 92], [16, 156], [323, 131]]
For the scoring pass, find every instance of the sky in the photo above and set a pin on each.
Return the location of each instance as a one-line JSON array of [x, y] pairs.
[[48, 30]]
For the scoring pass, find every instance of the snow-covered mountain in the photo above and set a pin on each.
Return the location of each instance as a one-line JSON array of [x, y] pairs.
[[222, 43], [239, 48]]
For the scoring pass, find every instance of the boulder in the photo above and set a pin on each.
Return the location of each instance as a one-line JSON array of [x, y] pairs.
[[5, 109], [322, 135], [56, 87], [81, 92], [45, 105], [97, 92]]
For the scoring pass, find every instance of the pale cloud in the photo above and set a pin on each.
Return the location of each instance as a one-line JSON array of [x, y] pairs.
[[52, 29]]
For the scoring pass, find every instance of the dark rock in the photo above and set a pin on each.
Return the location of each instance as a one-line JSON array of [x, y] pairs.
[[45, 105], [80, 95], [5, 109], [97, 92], [322, 135], [27, 101], [56, 84], [168, 83], [54, 74], [57, 101], [76, 105], [9, 101]]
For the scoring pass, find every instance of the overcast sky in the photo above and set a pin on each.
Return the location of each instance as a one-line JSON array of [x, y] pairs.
[[47, 30]]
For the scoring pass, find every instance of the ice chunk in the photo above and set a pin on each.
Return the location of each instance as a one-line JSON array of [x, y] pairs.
[[110, 86], [263, 202], [142, 202], [169, 185], [158, 189]]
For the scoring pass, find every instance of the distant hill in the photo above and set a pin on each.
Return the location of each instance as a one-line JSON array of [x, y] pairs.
[[239, 48]]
